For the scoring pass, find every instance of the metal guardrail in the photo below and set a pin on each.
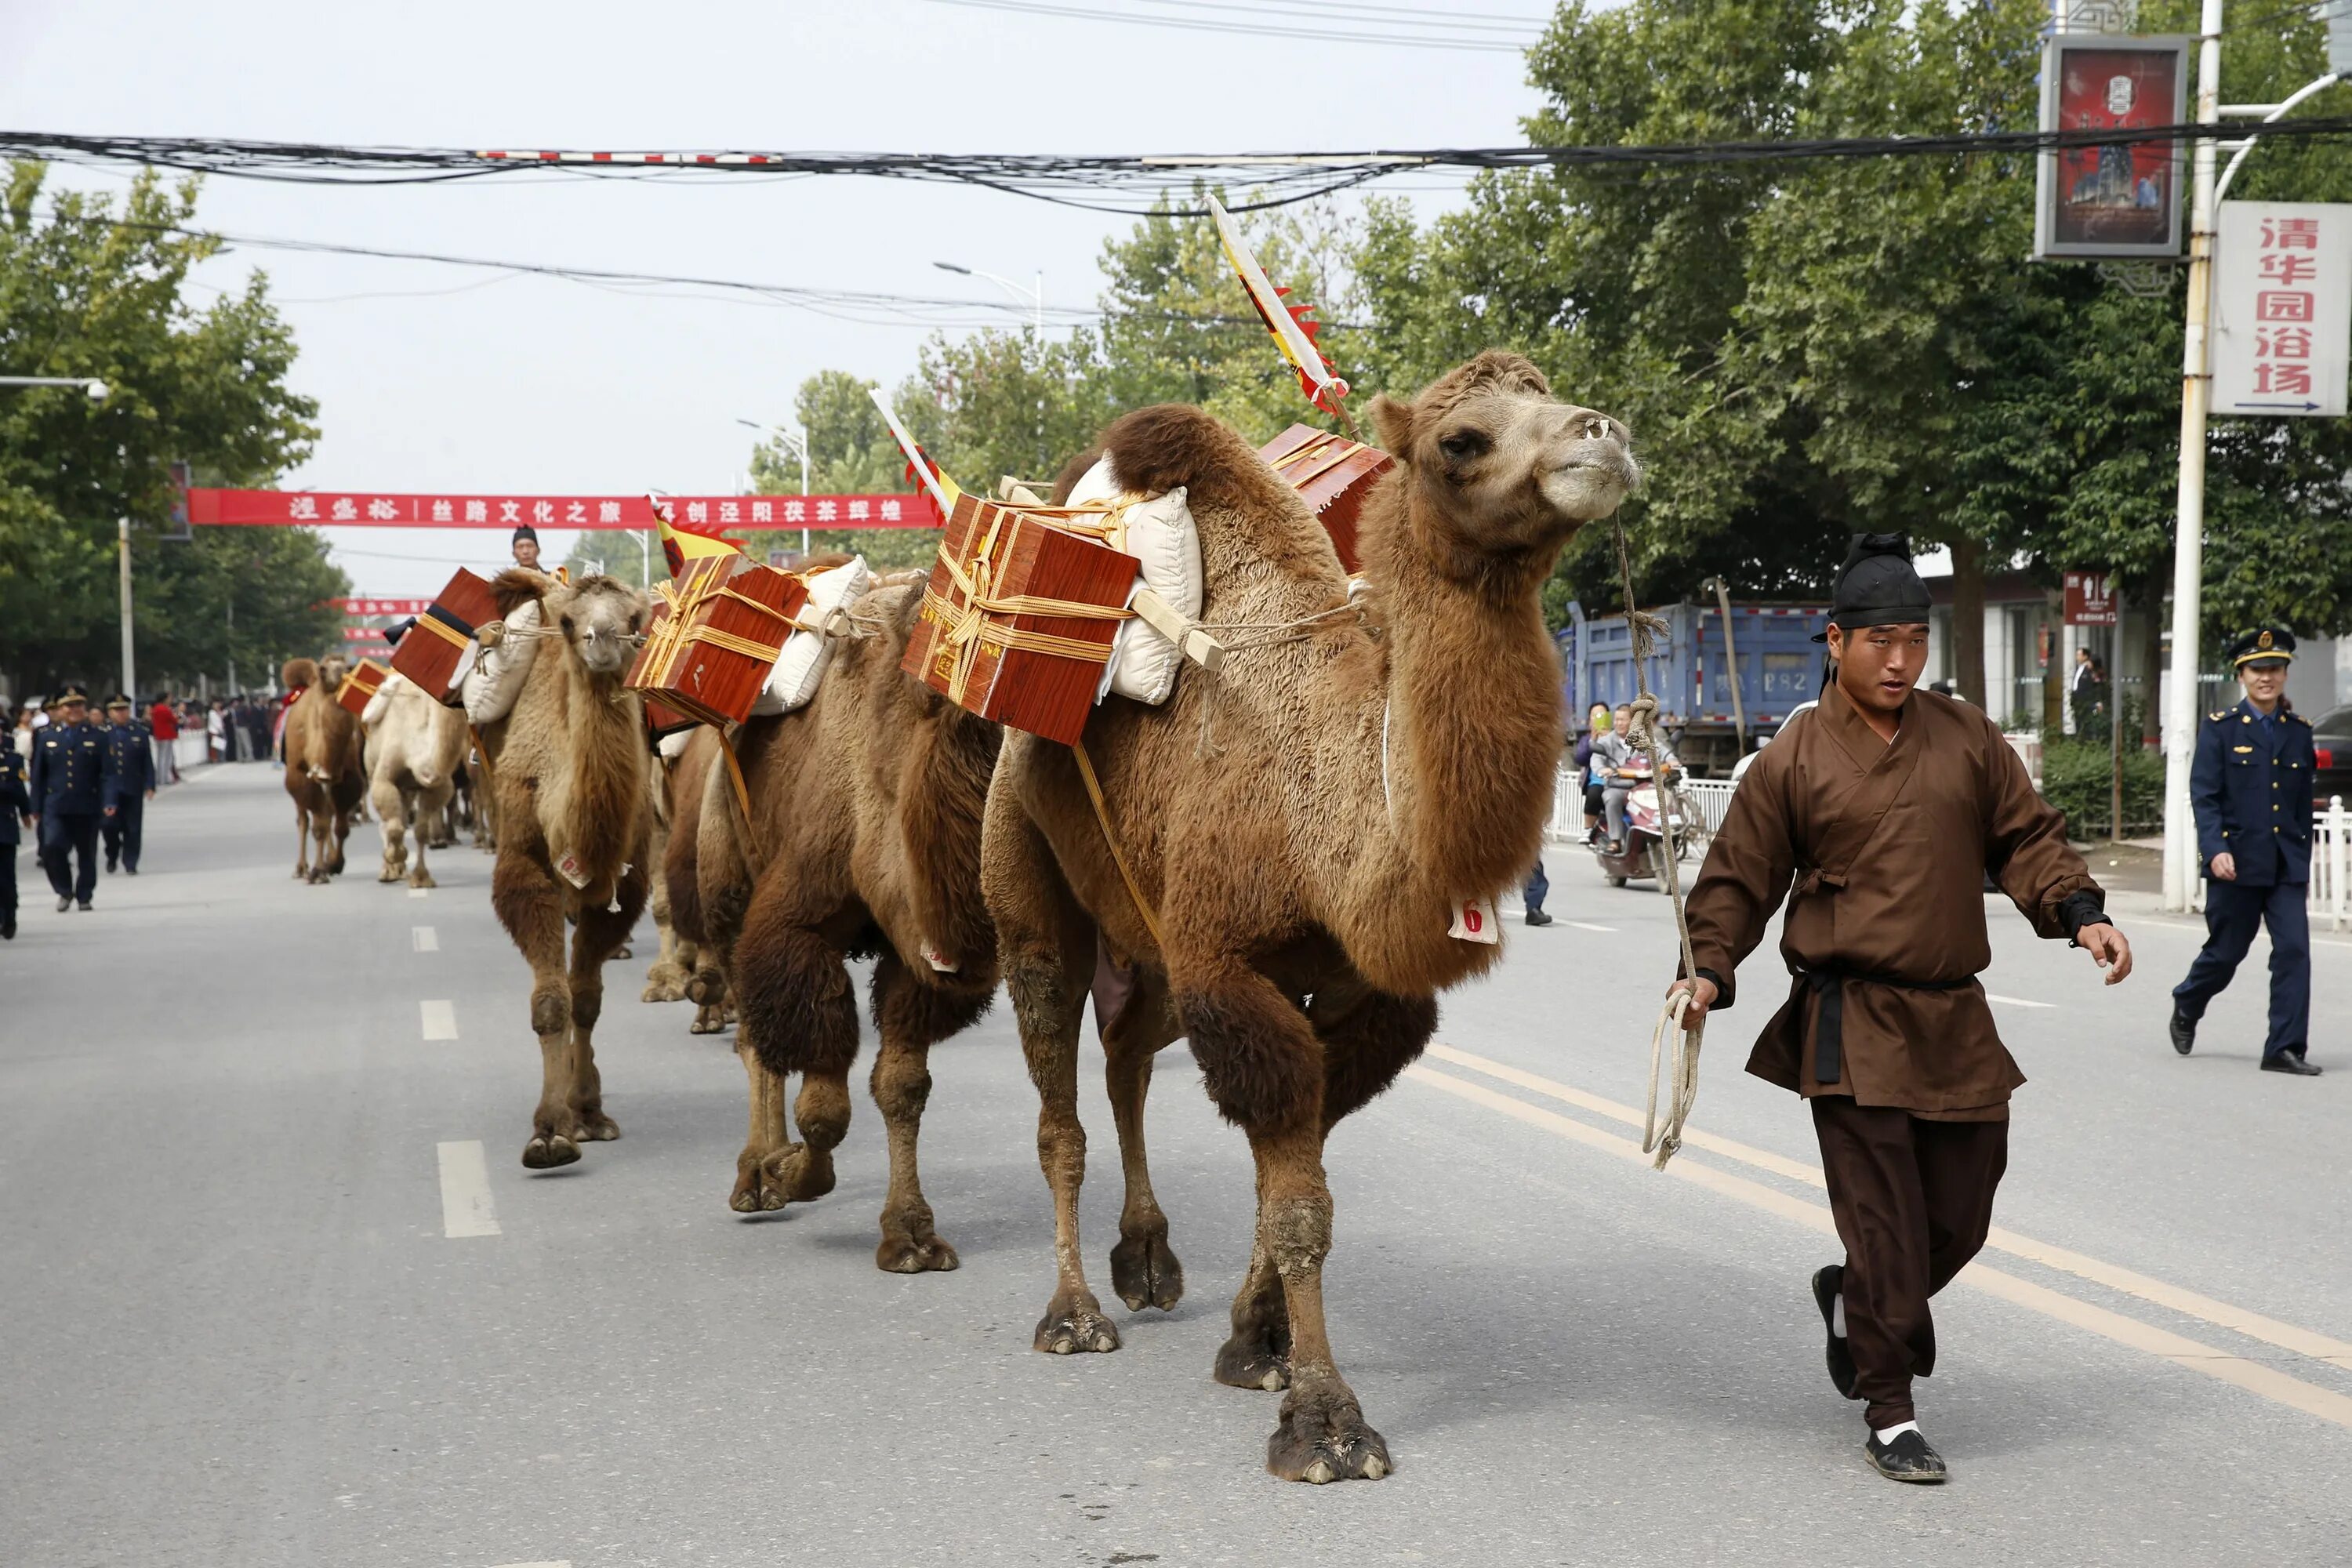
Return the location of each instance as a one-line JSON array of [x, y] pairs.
[[1705, 801], [2331, 863]]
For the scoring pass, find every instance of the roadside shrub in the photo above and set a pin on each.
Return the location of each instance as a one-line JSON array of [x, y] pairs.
[[2078, 773]]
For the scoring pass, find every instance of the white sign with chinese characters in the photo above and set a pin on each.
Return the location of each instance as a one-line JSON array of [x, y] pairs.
[[2282, 308]]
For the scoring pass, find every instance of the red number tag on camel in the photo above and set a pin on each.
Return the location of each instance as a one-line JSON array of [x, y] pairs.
[[567, 866], [1476, 922], [937, 960]]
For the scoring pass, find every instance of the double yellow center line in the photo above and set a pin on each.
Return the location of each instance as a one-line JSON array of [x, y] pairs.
[[2212, 1361]]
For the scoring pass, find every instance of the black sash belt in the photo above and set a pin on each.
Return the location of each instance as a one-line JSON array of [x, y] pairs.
[[1829, 1028]]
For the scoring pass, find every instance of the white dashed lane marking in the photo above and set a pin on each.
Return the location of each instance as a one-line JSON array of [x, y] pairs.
[[418, 892], [440, 1020], [466, 1207], [1587, 925], [424, 939]]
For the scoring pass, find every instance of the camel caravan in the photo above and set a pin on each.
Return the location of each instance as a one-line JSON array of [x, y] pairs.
[[1190, 737]]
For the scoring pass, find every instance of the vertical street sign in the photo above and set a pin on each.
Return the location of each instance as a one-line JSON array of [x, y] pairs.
[[2090, 599], [2282, 308]]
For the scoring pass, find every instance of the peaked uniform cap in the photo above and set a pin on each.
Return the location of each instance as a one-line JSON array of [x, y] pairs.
[[1877, 585], [2263, 642]]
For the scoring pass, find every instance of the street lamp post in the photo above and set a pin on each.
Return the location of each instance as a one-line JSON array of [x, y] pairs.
[[97, 389], [797, 443], [1036, 297]]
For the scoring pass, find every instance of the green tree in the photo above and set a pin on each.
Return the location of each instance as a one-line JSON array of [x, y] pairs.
[[88, 288]]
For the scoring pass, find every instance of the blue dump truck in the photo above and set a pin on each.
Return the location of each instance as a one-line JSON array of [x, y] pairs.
[[1690, 671]]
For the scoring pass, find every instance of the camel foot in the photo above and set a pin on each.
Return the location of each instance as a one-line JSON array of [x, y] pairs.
[[389, 874], [1065, 1333], [805, 1174], [301, 873], [319, 878], [623, 954], [913, 1255], [595, 1127], [1145, 1273], [546, 1153], [756, 1191], [1324, 1438], [1253, 1364], [706, 1021], [664, 982], [421, 877]]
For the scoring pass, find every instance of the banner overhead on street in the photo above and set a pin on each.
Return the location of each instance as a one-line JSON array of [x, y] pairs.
[[368, 509], [2282, 308]]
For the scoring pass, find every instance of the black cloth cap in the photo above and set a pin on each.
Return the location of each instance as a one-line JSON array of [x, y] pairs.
[[524, 531], [2262, 643], [1878, 587]]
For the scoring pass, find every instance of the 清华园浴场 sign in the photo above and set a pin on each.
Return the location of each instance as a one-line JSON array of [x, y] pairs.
[[2282, 308], [361, 509]]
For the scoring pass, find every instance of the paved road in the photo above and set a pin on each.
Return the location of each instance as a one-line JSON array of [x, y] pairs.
[[239, 1331]]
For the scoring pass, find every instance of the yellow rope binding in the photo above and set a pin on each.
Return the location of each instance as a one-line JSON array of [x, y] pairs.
[[1683, 1092]]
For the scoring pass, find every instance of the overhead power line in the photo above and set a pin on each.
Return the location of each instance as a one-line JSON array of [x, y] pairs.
[[1109, 182], [1483, 34]]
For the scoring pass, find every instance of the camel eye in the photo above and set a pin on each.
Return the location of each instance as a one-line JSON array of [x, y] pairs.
[[567, 625], [1462, 446]]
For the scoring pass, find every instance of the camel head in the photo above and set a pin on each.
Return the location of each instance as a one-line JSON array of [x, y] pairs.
[[332, 671], [1497, 467], [601, 620]]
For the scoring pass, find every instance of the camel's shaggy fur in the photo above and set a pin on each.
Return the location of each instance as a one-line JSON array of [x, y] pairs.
[[568, 765], [325, 772], [864, 838], [674, 962], [681, 875], [415, 749], [1360, 784]]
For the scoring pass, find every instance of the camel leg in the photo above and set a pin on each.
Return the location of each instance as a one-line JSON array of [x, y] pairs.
[[338, 823], [594, 938], [1263, 1067], [666, 979], [326, 854], [431, 824], [387, 795], [767, 1135], [1143, 1269], [528, 907], [799, 1013], [911, 1018], [301, 842]]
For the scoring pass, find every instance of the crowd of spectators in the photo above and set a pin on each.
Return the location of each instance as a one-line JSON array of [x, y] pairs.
[[236, 728]]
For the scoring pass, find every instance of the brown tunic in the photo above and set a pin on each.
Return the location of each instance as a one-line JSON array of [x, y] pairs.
[[1887, 845]]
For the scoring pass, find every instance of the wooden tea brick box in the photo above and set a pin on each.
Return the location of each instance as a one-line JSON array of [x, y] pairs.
[[1332, 475], [707, 658], [430, 651], [661, 720], [360, 685], [1019, 616]]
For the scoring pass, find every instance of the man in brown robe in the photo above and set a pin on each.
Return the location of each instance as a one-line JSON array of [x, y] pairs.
[[1885, 806]]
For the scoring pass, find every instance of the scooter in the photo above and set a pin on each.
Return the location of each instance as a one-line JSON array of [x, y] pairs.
[[1645, 852]]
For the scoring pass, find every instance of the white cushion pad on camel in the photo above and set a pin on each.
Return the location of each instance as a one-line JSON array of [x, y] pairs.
[[1159, 534], [673, 745], [381, 703], [801, 666], [495, 680]]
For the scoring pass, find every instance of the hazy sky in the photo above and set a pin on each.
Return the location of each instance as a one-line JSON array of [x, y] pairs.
[[435, 378]]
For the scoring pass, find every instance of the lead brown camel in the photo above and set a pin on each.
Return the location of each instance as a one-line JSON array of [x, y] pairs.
[[568, 765], [865, 820], [1305, 870], [325, 771]]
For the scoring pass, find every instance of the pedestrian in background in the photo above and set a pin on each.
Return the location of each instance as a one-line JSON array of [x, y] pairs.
[[129, 783], [69, 798], [16, 815], [216, 731], [2250, 787], [164, 731], [525, 545]]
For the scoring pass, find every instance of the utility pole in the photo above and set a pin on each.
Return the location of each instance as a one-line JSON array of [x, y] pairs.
[[130, 671], [2188, 541]]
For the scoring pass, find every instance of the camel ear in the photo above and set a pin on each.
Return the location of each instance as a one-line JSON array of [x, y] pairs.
[[1392, 422]]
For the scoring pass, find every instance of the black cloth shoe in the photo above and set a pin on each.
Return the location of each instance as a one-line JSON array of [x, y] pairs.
[[85, 906], [1910, 1457], [1537, 917], [1827, 1283], [65, 903], [2184, 1032], [2290, 1062]]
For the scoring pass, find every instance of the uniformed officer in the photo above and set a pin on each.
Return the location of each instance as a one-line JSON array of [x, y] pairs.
[[2252, 789], [16, 808], [69, 798], [127, 782]]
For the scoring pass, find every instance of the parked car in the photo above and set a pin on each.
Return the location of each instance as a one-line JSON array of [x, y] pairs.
[[2332, 731]]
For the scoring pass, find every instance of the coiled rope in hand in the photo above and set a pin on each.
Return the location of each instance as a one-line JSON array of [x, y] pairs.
[[1643, 735]]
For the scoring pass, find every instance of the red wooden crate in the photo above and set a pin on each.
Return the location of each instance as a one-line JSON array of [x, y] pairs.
[[361, 684], [988, 639], [429, 652], [1332, 475], [660, 719], [708, 658]]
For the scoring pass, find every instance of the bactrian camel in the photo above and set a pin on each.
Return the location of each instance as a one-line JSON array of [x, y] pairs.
[[1361, 791], [568, 764], [673, 961], [415, 749], [681, 874], [325, 772], [864, 837]]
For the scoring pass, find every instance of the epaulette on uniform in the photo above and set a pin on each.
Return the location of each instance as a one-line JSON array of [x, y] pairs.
[[2300, 719], [2217, 718]]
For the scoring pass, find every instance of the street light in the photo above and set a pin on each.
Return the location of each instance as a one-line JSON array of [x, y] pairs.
[[97, 389], [797, 443], [1036, 297]]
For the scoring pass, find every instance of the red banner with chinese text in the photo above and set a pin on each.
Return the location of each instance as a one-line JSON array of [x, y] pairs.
[[361, 509]]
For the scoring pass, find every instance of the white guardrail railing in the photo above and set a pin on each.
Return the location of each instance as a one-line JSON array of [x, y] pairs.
[[1707, 800]]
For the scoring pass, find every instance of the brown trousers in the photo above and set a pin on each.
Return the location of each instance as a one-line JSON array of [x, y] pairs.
[[1912, 1200]]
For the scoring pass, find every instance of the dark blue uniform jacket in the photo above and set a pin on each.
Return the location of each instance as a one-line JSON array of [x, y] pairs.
[[2250, 787], [69, 770], [130, 769], [14, 798]]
